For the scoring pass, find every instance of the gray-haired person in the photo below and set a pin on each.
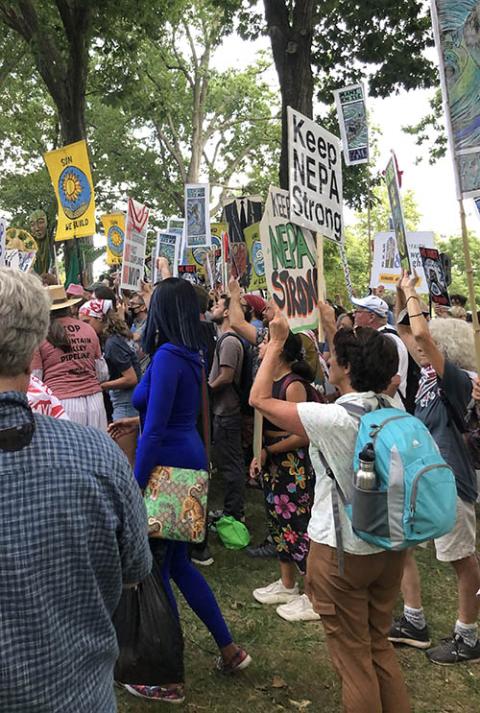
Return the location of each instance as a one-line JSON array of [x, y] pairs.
[[72, 533]]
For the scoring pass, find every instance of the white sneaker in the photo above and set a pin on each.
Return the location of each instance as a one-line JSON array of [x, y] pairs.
[[275, 593], [300, 609]]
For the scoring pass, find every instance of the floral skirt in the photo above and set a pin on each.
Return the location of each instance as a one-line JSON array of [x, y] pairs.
[[288, 487]]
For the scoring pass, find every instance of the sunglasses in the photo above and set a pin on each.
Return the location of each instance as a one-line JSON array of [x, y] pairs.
[[17, 437]]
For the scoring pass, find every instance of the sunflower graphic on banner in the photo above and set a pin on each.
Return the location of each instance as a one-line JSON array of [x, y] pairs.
[[114, 227], [69, 170]]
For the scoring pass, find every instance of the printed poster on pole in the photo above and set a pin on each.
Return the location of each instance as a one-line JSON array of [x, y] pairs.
[[393, 188], [69, 169], [315, 170], [114, 228], [168, 245], [457, 36], [435, 275], [133, 263], [353, 121], [289, 253], [386, 266], [256, 263], [197, 215]]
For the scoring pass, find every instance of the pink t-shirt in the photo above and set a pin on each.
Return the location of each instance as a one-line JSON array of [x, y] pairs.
[[70, 374]]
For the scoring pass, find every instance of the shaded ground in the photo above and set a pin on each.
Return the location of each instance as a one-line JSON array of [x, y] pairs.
[[290, 669]]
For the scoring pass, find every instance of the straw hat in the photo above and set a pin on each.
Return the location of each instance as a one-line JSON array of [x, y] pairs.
[[59, 297]]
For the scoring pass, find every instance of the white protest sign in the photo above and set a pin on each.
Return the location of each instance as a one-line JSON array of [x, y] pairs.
[[197, 215], [3, 240], [315, 169], [133, 263], [386, 267], [289, 254], [168, 245]]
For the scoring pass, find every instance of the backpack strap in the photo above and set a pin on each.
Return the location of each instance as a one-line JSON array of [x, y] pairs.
[[291, 379]]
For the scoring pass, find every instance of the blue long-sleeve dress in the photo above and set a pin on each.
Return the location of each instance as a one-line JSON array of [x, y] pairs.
[[168, 400]]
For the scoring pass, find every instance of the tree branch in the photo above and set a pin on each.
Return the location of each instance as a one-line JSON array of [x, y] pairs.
[[175, 154]]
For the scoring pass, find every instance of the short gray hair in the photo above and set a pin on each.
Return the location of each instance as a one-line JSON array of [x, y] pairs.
[[455, 340], [24, 319]]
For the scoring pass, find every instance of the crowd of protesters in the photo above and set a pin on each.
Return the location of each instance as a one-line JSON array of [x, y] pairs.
[[142, 370]]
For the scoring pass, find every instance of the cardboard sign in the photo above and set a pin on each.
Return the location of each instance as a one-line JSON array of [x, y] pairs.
[[114, 227], [435, 275], [393, 188], [386, 266], [315, 170], [197, 215], [133, 264], [457, 36], [69, 169], [19, 260], [256, 263], [3, 240], [352, 118], [289, 254], [168, 245]]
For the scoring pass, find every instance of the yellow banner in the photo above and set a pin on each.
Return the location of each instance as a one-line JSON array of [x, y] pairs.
[[69, 170], [114, 227]]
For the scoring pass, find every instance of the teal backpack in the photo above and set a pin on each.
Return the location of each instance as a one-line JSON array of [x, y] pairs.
[[416, 495]]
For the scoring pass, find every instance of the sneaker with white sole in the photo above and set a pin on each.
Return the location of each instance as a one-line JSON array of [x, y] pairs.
[[299, 609], [275, 593]]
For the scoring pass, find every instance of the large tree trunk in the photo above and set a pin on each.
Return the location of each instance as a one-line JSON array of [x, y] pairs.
[[291, 35]]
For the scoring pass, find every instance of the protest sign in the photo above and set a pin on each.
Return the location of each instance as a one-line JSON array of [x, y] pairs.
[[114, 228], [3, 240], [69, 170], [20, 260], [352, 118], [197, 215], [386, 266], [435, 276], [393, 188], [315, 170], [256, 263], [289, 253], [133, 263], [167, 245], [457, 36]]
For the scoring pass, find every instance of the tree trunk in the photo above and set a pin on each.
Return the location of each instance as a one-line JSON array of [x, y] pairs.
[[291, 35]]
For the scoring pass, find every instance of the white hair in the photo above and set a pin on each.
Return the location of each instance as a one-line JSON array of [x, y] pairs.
[[454, 338], [24, 319]]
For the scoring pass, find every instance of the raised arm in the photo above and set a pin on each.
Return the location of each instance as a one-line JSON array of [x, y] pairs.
[[419, 325], [236, 315]]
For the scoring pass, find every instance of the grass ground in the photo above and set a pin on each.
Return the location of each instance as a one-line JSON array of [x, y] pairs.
[[291, 669]]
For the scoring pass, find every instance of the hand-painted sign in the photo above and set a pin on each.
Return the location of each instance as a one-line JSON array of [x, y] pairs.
[[315, 169], [289, 253]]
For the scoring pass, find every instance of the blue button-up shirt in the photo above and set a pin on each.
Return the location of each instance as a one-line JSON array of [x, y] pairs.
[[72, 532]]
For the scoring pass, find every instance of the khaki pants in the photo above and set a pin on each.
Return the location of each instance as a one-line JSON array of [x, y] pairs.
[[356, 610]]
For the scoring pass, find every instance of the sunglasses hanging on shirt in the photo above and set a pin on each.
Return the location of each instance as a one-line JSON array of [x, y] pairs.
[[17, 437]]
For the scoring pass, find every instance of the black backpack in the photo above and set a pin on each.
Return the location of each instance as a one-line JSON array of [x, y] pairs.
[[246, 377], [413, 377]]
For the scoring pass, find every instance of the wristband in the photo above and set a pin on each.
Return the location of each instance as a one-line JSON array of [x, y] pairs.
[[412, 297], [419, 314]]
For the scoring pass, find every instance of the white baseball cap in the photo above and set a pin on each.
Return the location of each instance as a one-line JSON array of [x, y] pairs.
[[373, 304]]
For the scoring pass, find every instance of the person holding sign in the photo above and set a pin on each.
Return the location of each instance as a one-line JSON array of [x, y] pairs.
[[355, 606], [445, 351]]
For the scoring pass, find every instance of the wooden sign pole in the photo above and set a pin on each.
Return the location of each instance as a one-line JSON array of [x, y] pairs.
[[321, 282], [257, 435], [470, 282]]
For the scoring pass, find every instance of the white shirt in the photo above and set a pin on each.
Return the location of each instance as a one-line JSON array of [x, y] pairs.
[[333, 431], [402, 363]]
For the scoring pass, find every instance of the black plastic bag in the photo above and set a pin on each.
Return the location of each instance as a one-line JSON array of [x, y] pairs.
[[149, 635]]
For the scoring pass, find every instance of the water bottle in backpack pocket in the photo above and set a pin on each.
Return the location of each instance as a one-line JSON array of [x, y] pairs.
[[415, 494]]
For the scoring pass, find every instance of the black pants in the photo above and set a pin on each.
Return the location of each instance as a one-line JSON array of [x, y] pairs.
[[229, 460]]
